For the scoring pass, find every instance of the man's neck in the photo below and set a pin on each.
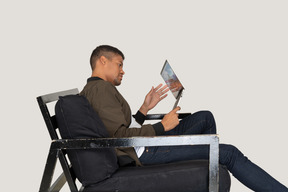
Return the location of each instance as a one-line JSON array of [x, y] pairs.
[[100, 75]]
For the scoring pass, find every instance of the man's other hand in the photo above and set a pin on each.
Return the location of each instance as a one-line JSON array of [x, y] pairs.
[[170, 120]]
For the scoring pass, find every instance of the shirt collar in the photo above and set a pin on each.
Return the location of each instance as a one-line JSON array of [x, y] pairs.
[[93, 79]]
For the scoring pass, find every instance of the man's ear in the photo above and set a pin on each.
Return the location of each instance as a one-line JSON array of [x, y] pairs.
[[103, 60]]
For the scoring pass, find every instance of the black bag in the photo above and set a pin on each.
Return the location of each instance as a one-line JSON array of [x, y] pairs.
[[77, 119]]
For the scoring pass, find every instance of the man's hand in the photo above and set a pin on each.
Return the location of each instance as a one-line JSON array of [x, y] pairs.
[[154, 96], [170, 120]]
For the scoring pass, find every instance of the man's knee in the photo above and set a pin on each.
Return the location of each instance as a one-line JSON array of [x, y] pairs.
[[228, 154], [209, 114], [205, 114]]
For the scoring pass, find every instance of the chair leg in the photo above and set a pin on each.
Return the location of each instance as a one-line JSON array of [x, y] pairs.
[[58, 184], [81, 189], [67, 173], [48, 171]]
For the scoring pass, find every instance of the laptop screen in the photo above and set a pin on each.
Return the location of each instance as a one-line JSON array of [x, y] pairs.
[[171, 80]]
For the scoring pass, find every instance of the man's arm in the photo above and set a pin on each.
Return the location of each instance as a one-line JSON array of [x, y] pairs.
[[115, 113]]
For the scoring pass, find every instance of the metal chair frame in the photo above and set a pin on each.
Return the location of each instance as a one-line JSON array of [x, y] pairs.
[[59, 146]]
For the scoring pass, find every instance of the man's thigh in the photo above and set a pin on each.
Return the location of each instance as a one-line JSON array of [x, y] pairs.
[[201, 122], [168, 154]]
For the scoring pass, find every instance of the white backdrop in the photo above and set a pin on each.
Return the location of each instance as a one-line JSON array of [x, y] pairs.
[[231, 57]]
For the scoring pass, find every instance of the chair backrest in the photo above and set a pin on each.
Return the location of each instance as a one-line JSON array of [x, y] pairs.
[[75, 118], [52, 126], [50, 121]]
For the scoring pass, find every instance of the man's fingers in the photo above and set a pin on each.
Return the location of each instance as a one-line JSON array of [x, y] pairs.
[[176, 109], [151, 90], [161, 88], [165, 90], [163, 96], [160, 85]]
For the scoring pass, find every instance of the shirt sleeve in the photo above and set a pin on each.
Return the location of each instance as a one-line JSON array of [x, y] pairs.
[[158, 127]]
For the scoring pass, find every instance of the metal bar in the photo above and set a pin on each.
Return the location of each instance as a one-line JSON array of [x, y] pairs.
[[214, 165], [133, 141], [160, 116], [47, 118], [55, 96], [58, 184], [81, 189], [212, 140], [48, 171], [67, 171]]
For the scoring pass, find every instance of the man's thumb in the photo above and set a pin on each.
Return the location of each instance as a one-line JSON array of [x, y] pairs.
[[176, 109]]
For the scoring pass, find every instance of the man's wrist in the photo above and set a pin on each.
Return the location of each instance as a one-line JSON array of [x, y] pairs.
[[139, 117], [159, 128], [143, 110]]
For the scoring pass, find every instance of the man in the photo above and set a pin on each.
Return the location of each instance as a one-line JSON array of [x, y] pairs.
[[107, 73]]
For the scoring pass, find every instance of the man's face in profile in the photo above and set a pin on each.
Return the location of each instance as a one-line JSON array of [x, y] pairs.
[[115, 70]]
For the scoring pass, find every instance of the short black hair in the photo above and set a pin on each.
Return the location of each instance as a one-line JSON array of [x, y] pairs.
[[103, 50]]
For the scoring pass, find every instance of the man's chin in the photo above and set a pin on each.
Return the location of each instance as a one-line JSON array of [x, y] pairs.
[[117, 83]]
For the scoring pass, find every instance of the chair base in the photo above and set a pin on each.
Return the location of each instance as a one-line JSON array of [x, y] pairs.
[[181, 177]]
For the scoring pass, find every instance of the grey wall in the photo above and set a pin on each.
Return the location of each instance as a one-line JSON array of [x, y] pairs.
[[230, 56]]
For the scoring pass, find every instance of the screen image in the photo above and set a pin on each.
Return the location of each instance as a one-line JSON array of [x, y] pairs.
[[171, 79]]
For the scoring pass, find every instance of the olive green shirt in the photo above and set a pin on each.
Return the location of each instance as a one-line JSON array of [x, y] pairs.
[[116, 115]]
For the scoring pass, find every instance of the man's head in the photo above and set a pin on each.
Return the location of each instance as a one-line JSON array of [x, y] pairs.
[[107, 63]]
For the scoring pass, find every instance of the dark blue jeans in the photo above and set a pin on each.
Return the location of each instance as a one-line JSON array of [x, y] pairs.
[[240, 166]]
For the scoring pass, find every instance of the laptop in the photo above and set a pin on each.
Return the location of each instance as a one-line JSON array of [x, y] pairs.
[[172, 82]]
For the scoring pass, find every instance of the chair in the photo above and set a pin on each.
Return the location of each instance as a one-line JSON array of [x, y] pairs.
[[209, 170]]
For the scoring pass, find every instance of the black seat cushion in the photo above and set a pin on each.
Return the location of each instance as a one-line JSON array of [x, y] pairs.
[[76, 120], [192, 176]]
